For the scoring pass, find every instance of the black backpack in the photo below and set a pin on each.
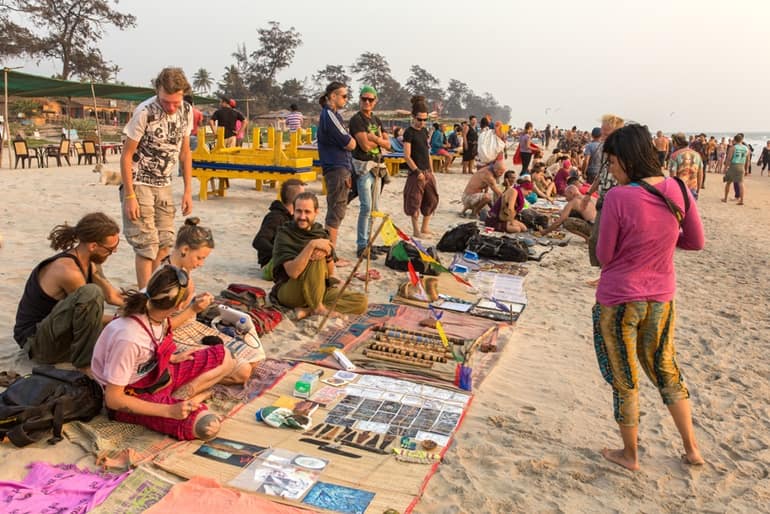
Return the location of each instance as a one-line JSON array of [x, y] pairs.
[[43, 401], [456, 239], [419, 265], [499, 248], [532, 219]]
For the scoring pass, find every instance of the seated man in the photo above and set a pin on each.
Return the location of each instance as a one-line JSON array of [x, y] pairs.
[[303, 260], [476, 195], [502, 215], [575, 218], [280, 213], [60, 313]]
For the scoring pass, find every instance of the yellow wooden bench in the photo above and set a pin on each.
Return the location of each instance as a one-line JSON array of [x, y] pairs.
[[206, 171]]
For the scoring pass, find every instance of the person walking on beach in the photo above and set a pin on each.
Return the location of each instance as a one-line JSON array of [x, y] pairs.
[[157, 139], [470, 145], [737, 160], [764, 159], [371, 140], [643, 220], [524, 148], [662, 147], [60, 315], [420, 191], [686, 164], [334, 147]]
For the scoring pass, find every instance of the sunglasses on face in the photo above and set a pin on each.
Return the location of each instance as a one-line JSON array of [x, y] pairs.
[[367, 99], [183, 279], [423, 120], [344, 97], [110, 249]]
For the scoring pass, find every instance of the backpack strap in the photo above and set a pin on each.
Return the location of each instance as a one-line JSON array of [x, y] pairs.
[[675, 210]]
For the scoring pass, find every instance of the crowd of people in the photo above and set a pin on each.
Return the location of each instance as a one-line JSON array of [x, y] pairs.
[[632, 196]]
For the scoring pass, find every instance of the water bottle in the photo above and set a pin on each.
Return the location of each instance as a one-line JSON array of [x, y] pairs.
[[243, 326]]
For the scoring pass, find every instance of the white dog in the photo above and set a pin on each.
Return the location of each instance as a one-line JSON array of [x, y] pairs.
[[108, 177]]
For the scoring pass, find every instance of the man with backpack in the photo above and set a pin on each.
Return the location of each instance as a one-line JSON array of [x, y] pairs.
[[60, 313]]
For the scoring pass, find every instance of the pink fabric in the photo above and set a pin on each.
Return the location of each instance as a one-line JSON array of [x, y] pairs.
[[201, 495], [49, 489], [637, 238]]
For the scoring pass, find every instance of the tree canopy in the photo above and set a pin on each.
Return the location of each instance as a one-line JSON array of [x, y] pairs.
[[68, 31]]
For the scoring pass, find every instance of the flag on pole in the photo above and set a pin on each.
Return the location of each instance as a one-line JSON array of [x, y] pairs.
[[389, 234], [413, 278]]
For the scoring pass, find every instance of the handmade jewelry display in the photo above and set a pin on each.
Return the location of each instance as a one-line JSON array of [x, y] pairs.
[[391, 346]]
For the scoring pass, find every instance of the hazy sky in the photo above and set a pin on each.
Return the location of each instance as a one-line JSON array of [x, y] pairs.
[[680, 65]]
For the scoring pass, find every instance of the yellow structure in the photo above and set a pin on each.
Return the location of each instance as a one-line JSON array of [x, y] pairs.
[[273, 163]]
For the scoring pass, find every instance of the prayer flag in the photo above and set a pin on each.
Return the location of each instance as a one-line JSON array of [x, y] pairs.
[[401, 234], [388, 233], [413, 278], [442, 334], [398, 252]]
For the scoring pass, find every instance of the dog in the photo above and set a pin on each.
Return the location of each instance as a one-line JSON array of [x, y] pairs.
[[108, 177]]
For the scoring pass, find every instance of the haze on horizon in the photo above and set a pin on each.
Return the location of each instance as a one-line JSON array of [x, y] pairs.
[[686, 65]]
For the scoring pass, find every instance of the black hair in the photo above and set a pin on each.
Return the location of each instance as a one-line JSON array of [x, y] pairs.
[[632, 146], [194, 235], [163, 292], [471, 117], [528, 125], [436, 126], [188, 99], [331, 88], [293, 107], [484, 123], [418, 105], [289, 190]]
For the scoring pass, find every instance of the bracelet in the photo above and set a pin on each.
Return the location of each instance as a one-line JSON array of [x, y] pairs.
[[329, 258], [128, 197]]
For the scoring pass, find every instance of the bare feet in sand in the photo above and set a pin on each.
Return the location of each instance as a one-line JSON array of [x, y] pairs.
[[693, 458], [619, 458], [592, 283]]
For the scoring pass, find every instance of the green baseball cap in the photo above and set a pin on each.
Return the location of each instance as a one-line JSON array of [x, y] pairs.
[[368, 89]]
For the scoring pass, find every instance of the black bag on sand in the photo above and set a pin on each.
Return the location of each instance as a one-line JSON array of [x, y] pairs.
[[456, 239], [533, 219], [414, 255], [499, 248], [42, 402]]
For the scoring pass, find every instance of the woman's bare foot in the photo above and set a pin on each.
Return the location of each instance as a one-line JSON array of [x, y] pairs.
[[724, 200], [301, 313], [592, 283], [619, 458], [429, 233], [693, 458]]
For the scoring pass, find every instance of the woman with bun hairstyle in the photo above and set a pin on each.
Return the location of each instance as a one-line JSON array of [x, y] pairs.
[[420, 191], [144, 382], [193, 245]]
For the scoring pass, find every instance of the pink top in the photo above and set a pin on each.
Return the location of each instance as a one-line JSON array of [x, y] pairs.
[[637, 237]]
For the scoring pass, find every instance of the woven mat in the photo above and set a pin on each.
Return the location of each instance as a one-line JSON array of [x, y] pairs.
[[143, 488], [352, 337], [397, 485]]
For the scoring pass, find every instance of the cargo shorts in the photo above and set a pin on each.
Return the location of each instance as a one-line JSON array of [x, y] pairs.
[[154, 229]]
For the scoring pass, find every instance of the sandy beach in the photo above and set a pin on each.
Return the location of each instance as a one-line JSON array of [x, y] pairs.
[[531, 440]]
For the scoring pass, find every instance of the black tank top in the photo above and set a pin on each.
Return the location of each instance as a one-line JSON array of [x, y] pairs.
[[36, 304]]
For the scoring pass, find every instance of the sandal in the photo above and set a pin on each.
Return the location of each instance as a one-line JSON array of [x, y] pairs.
[[373, 275]]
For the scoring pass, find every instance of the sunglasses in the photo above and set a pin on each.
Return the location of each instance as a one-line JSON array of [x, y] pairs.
[[423, 120], [367, 99], [110, 249], [184, 280], [345, 96]]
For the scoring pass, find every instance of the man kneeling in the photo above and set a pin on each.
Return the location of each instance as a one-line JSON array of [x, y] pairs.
[[144, 381], [574, 217], [303, 261]]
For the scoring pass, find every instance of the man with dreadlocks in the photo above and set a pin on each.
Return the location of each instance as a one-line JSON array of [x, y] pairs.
[[60, 313]]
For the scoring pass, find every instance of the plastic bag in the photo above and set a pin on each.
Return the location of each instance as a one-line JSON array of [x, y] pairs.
[[490, 146]]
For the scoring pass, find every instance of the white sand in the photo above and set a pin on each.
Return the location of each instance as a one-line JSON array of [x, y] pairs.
[[530, 441]]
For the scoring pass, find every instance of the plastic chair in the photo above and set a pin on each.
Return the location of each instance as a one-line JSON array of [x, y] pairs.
[[23, 154], [63, 150]]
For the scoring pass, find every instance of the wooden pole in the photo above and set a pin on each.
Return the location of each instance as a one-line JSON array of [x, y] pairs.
[[98, 131], [372, 238]]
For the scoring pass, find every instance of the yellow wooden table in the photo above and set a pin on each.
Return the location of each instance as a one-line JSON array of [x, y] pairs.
[[207, 171]]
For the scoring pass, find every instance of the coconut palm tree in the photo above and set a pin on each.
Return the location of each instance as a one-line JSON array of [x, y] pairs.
[[202, 80]]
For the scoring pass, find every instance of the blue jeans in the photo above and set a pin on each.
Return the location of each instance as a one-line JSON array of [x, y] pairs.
[[364, 183]]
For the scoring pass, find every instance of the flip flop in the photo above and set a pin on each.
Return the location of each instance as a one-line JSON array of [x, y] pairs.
[[373, 275], [342, 263]]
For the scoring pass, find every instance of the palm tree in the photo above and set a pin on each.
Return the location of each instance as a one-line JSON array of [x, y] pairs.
[[202, 80]]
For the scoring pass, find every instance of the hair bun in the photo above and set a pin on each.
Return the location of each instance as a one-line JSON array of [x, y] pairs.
[[192, 220]]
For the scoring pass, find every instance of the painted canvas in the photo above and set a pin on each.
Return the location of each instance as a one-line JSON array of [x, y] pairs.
[[338, 498]]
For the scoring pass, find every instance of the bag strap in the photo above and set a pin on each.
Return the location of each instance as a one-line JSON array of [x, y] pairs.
[[675, 210]]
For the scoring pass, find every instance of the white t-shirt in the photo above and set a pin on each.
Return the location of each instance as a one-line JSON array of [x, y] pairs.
[[124, 352], [160, 136]]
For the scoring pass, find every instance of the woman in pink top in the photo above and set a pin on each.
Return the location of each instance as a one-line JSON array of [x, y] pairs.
[[642, 222]]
